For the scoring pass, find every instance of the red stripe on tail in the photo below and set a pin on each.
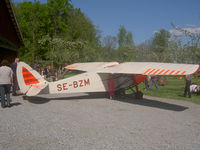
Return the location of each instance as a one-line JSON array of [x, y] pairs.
[[29, 79]]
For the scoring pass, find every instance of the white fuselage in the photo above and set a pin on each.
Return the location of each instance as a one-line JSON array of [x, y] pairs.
[[85, 82]]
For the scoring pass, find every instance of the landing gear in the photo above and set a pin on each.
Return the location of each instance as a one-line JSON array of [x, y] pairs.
[[137, 94], [120, 93]]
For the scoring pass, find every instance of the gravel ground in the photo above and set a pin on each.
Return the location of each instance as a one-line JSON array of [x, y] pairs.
[[91, 122]]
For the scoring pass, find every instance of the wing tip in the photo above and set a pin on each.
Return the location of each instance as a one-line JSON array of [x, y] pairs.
[[198, 69]]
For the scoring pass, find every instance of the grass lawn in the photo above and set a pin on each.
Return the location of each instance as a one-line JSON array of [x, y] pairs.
[[174, 89]]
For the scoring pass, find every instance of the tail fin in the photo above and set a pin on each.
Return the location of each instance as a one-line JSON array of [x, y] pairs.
[[29, 80]]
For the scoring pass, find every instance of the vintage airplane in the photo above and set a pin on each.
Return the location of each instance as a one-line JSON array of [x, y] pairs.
[[96, 75]]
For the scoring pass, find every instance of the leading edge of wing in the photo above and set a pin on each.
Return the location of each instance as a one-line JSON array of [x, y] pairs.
[[151, 68], [91, 66]]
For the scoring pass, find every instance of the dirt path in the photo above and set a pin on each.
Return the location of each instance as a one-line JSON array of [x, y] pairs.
[[82, 122]]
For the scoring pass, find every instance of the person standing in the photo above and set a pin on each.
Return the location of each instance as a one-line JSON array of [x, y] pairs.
[[146, 82], [6, 79], [14, 69], [188, 79], [53, 73], [153, 80]]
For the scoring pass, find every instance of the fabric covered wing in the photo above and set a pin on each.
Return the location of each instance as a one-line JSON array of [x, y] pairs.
[[90, 66], [151, 68]]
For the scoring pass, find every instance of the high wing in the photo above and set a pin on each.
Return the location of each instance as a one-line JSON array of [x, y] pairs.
[[151, 68], [91, 66]]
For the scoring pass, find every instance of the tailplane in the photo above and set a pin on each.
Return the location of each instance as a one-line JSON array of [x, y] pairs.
[[30, 81]]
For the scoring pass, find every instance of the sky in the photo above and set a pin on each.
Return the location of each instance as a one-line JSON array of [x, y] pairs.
[[140, 17]]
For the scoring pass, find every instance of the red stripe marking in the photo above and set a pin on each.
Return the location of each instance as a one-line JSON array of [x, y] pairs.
[[26, 73], [29, 79], [151, 71], [161, 71], [177, 72], [172, 72], [70, 67], [166, 72], [25, 70], [156, 71], [147, 71], [183, 72]]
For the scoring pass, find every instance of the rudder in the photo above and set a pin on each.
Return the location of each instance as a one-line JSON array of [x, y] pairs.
[[29, 80]]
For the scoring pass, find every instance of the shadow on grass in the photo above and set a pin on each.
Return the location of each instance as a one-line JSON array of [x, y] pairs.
[[128, 99]]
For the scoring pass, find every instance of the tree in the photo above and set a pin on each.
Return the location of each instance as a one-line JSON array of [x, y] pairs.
[[143, 51], [32, 21], [109, 47], [61, 50], [125, 39], [60, 23], [126, 50], [58, 16], [160, 45], [192, 47]]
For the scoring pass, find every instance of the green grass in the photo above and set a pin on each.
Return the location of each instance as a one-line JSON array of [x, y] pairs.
[[174, 89]]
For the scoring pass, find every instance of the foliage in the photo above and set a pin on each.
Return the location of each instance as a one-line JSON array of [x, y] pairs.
[[58, 16], [157, 49], [56, 32], [126, 50], [61, 50], [32, 20], [120, 48], [125, 39], [108, 48], [192, 48], [160, 45]]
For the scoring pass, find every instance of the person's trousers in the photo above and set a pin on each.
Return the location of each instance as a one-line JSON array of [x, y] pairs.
[[15, 84], [153, 81], [187, 88], [5, 90]]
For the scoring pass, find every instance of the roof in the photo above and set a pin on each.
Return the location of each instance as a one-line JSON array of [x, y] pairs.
[[11, 16]]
